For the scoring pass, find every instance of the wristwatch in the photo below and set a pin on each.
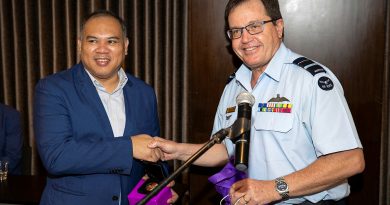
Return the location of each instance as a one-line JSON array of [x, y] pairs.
[[281, 187]]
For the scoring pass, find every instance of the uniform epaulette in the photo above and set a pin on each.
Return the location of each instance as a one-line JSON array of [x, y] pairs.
[[309, 65], [231, 77]]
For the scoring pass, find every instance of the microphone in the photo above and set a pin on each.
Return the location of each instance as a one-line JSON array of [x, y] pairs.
[[245, 101]]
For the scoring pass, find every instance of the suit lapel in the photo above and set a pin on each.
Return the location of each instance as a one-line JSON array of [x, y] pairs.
[[129, 127], [89, 95]]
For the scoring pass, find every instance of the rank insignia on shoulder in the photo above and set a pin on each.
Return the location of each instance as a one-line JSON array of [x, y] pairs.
[[325, 83], [309, 65], [230, 109]]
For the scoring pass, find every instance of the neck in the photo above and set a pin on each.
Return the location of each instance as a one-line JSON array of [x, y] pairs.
[[255, 75], [110, 84]]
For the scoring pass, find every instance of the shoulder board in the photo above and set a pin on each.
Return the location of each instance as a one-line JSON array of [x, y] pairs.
[[309, 65], [231, 77]]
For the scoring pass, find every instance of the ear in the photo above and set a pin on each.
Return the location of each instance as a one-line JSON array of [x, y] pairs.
[[280, 27], [126, 45], [78, 45]]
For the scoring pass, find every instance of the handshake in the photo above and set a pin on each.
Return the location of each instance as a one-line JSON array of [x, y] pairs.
[[153, 149]]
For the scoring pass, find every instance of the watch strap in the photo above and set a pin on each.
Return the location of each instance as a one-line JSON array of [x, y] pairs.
[[283, 194]]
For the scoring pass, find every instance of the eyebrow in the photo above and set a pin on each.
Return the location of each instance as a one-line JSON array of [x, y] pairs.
[[110, 38], [114, 37], [250, 22]]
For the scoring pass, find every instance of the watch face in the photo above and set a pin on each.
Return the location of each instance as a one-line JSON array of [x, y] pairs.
[[281, 186]]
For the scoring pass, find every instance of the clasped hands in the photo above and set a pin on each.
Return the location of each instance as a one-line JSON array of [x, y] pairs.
[[247, 191], [153, 149]]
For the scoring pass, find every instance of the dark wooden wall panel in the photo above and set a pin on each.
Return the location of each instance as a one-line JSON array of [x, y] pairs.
[[348, 36], [210, 64]]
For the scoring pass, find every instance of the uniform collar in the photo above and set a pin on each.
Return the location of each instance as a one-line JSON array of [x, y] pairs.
[[273, 70]]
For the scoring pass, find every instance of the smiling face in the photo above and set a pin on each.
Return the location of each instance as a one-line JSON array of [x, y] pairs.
[[255, 50], [102, 48]]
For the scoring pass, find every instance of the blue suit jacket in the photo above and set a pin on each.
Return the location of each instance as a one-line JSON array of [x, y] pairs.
[[86, 164], [11, 139]]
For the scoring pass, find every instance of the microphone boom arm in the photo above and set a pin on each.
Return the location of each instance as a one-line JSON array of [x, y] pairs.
[[216, 138]]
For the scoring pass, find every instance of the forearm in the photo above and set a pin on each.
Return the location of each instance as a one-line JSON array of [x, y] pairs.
[[71, 157], [326, 172], [215, 156]]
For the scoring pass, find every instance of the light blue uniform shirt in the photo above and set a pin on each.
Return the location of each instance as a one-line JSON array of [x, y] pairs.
[[297, 117]]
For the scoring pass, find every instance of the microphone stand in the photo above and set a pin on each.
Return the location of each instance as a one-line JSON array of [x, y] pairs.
[[217, 138]]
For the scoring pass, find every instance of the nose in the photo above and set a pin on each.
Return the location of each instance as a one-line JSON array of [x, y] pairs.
[[246, 36], [102, 47]]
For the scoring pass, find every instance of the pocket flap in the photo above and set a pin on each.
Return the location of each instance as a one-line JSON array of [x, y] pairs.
[[274, 121]]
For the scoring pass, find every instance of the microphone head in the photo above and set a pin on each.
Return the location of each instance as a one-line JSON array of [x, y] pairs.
[[245, 97]]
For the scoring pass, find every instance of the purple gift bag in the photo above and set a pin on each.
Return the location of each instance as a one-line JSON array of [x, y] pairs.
[[224, 179]]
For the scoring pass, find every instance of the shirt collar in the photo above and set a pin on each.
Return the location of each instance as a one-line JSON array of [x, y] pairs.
[[273, 70], [122, 81]]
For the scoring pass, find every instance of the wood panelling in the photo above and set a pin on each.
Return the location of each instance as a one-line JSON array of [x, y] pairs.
[[348, 36], [210, 64]]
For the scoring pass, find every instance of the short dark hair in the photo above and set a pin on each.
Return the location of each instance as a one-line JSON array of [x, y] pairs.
[[271, 7], [99, 13]]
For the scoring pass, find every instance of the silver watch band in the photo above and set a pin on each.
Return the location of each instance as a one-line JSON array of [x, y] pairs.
[[282, 193]]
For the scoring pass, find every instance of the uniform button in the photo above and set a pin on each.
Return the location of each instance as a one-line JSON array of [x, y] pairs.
[[115, 198]]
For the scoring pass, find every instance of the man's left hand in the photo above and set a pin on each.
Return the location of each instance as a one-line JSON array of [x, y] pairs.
[[251, 192]]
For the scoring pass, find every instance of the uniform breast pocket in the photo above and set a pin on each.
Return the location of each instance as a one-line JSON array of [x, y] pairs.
[[274, 121]]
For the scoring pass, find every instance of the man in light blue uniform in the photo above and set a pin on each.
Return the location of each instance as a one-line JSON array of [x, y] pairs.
[[313, 119], [303, 142]]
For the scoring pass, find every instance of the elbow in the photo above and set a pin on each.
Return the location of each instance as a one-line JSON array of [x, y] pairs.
[[51, 163], [358, 161], [56, 169], [51, 167]]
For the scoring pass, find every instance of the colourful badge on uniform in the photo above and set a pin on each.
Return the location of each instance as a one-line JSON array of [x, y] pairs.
[[230, 109], [277, 104]]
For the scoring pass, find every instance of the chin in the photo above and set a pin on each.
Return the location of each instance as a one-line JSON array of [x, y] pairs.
[[253, 65]]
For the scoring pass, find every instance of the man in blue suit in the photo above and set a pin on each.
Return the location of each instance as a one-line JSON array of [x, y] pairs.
[[89, 121], [11, 139]]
